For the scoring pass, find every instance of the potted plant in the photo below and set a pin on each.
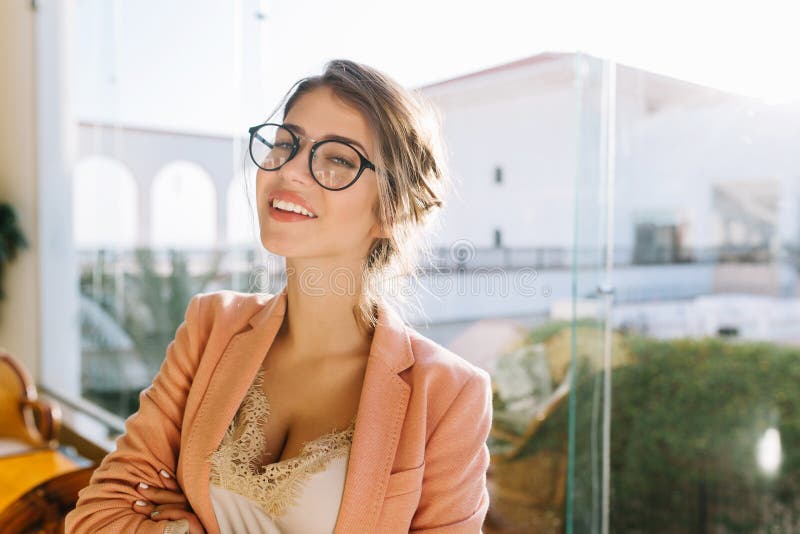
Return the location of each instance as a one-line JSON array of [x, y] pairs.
[[11, 239]]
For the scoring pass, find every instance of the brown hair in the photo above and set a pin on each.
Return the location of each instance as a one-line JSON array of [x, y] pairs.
[[410, 163]]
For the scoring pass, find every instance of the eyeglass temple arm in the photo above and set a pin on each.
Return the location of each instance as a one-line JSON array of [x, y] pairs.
[[255, 134]]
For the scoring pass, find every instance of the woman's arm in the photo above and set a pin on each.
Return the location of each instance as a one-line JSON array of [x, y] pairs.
[[454, 497], [151, 441]]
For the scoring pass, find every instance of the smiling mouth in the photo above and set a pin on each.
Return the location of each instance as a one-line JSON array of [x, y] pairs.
[[284, 206]]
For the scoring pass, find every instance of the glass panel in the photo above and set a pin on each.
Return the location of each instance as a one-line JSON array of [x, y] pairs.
[[503, 298], [542, 214], [615, 235], [587, 414], [705, 310], [160, 200]]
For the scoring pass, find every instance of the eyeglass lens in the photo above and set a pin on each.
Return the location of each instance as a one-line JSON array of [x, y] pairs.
[[334, 164]]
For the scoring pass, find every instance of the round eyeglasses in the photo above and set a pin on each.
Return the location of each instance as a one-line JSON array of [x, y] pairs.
[[334, 164]]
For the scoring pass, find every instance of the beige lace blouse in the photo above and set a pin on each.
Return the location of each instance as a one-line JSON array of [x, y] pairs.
[[295, 495]]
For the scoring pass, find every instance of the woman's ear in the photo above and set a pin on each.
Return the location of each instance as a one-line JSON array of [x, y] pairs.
[[378, 230]]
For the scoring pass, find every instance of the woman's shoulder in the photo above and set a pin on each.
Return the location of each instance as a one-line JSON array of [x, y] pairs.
[[450, 384], [225, 310], [437, 365], [228, 304]]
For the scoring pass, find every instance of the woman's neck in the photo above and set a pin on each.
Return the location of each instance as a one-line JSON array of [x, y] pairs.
[[321, 312]]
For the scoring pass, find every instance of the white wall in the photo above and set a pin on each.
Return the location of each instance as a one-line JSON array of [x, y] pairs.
[[19, 312], [677, 157], [527, 128], [675, 141]]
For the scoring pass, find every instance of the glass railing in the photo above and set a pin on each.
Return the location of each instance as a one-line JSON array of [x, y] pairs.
[[690, 423], [621, 256]]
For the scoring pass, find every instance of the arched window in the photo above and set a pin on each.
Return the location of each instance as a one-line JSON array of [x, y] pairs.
[[105, 201], [242, 225], [183, 207]]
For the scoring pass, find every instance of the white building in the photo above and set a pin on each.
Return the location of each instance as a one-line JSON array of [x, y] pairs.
[[703, 177]]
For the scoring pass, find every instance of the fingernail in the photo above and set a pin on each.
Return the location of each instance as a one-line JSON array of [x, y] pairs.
[[165, 474], [143, 485], [155, 513], [141, 503]]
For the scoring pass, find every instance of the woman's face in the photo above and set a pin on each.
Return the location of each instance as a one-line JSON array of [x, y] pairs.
[[345, 224]]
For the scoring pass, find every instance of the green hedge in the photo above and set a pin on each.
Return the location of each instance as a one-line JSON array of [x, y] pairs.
[[686, 421]]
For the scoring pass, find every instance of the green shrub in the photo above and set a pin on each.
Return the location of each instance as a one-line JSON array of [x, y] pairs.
[[687, 417]]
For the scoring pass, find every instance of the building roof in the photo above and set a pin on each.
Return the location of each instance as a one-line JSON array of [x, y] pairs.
[[544, 57], [557, 69]]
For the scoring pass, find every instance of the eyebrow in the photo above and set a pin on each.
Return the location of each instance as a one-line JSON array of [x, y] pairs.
[[334, 137]]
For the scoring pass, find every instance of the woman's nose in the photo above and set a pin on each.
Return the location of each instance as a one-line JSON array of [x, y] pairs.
[[296, 169]]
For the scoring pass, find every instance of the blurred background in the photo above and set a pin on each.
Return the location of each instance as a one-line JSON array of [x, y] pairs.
[[622, 254]]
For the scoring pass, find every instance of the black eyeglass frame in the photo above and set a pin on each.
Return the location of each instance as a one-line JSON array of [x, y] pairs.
[[365, 163]]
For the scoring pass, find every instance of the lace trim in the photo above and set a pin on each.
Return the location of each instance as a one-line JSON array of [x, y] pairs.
[[234, 465]]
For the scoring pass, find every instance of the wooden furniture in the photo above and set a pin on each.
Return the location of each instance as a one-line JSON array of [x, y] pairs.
[[42, 508], [38, 484], [26, 422], [21, 472]]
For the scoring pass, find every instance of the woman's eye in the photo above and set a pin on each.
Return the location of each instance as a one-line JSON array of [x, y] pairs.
[[343, 161]]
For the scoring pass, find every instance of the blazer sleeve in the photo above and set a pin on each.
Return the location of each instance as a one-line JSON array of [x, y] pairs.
[[454, 498], [151, 441]]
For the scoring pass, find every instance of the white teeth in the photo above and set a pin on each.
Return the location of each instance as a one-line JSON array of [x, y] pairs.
[[290, 206]]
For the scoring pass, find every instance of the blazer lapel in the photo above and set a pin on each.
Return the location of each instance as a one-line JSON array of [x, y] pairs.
[[379, 419], [230, 380], [381, 412]]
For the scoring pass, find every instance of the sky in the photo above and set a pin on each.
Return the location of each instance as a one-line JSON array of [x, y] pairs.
[[220, 65]]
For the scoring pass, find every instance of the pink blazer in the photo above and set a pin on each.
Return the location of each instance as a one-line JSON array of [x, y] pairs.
[[418, 459]]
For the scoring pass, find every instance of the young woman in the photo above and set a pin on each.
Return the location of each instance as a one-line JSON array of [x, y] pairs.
[[315, 409]]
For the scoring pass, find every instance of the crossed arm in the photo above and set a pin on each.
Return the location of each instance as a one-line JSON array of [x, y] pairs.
[[151, 442]]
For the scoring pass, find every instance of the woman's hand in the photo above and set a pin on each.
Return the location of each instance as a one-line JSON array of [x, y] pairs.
[[166, 504]]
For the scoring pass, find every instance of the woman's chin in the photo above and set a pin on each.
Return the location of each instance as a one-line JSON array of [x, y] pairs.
[[288, 246]]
